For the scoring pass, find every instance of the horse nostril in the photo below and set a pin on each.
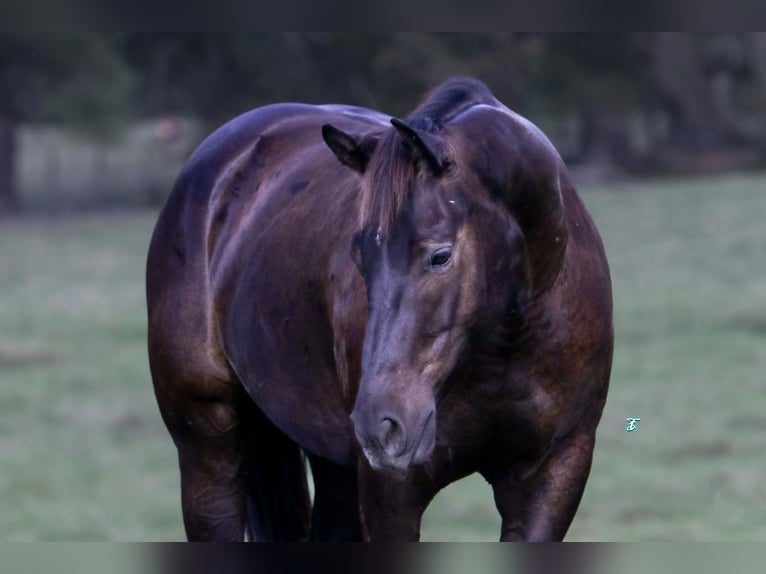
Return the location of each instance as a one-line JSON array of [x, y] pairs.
[[392, 437]]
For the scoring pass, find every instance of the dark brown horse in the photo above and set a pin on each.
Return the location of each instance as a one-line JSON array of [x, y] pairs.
[[405, 302]]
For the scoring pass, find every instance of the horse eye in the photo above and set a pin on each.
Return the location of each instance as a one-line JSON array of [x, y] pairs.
[[441, 257]]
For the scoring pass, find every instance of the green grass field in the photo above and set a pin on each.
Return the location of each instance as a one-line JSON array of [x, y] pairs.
[[85, 456]]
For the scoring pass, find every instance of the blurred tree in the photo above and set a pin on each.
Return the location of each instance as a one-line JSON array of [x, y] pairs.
[[216, 75], [407, 64], [598, 77], [602, 91], [76, 77], [758, 58], [188, 73], [668, 90], [680, 79]]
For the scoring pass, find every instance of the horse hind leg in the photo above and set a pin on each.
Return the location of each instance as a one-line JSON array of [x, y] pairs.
[[277, 499], [207, 431], [239, 474], [210, 457]]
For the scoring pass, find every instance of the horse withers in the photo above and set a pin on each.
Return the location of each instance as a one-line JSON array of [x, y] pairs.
[[401, 302]]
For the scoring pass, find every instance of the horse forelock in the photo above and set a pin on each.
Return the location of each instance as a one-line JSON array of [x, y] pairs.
[[387, 183], [393, 169]]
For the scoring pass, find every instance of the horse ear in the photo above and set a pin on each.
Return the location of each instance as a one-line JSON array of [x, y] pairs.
[[346, 148], [427, 147]]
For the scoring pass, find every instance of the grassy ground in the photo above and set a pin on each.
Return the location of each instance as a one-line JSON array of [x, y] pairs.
[[85, 456]]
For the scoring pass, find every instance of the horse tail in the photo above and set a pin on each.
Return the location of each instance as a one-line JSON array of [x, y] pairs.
[[277, 500]]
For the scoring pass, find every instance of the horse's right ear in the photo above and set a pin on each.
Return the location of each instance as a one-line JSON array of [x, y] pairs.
[[349, 151]]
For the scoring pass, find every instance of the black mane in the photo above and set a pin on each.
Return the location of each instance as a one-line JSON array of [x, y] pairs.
[[446, 101]]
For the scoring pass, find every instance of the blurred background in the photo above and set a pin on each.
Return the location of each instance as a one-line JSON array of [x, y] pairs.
[[664, 133]]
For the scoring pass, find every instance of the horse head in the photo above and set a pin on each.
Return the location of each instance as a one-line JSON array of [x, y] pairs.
[[461, 223]]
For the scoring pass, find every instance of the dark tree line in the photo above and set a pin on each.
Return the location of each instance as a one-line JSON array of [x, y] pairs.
[[628, 97]]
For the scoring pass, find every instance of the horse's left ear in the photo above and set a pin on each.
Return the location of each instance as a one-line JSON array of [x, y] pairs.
[[349, 151], [427, 147]]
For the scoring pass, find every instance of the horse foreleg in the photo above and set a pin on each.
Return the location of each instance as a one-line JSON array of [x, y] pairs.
[[540, 507], [390, 506]]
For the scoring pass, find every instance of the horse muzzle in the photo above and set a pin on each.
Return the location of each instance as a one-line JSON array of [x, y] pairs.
[[394, 443]]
